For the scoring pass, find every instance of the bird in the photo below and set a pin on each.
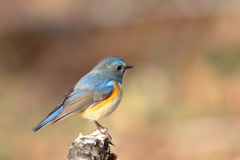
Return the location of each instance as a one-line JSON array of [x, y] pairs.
[[95, 96]]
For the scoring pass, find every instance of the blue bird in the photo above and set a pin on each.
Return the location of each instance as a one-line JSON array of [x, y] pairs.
[[95, 96]]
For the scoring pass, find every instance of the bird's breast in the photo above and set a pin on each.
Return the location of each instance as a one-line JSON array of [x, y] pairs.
[[106, 106]]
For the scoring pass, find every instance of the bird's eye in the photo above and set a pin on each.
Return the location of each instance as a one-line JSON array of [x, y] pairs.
[[119, 68]]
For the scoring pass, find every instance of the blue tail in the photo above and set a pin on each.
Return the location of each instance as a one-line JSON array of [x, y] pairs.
[[48, 119]]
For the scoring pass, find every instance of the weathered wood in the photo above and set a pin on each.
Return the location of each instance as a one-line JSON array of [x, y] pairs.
[[91, 147]]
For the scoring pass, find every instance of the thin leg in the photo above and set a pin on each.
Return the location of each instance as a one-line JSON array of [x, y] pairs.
[[99, 127], [103, 130]]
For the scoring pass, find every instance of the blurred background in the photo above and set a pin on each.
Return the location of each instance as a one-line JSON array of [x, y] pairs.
[[181, 100]]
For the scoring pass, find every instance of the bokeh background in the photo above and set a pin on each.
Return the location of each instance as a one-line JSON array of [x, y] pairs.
[[181, 100]]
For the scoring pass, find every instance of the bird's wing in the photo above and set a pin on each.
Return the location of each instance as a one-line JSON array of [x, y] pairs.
[[62, 101], [79, 99], [53, 114]]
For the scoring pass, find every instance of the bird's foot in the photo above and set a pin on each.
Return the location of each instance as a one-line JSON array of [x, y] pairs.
[[103, 132], [102, 135]]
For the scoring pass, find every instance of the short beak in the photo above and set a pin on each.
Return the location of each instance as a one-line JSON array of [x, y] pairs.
[[128, 67]]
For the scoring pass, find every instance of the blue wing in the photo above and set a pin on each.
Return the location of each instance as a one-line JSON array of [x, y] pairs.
[[53, 114], [80, 99]]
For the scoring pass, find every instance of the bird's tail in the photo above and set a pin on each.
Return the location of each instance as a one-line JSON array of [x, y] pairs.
[[48, 119]]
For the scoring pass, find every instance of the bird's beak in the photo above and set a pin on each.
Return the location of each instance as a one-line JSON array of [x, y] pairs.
[[128, 67]]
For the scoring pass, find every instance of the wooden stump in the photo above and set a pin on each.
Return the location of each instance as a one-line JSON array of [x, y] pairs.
[[95, 146]]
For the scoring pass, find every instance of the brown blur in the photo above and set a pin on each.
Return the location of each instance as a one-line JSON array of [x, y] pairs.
[[181, 100]]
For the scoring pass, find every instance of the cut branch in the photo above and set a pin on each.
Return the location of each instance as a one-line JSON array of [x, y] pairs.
[[91, 147]]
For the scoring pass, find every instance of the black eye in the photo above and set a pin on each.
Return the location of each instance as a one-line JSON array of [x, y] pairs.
[[119, 68]]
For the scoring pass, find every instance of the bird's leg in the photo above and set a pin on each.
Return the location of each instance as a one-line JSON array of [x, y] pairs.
[[100, 128], [103, 131]]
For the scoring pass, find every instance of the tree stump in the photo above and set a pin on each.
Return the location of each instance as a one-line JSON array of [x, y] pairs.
[[95, 146]]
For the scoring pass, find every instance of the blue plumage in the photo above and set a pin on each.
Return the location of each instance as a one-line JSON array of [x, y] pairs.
[[47, 120], [91, 90]]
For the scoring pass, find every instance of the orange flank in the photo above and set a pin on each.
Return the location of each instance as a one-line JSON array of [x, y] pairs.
[[104, 107]]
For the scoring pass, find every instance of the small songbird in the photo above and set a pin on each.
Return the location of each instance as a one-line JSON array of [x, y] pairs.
[[95, 96]]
